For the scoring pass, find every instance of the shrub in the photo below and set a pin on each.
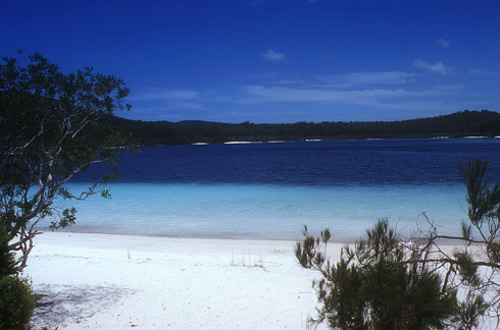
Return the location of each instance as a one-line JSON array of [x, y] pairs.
[[373, 286], [7, 263], [16, 303]]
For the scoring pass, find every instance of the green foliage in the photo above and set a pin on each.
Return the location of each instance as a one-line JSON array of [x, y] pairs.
[[404, 299], [340, 293], [484, 208], [372, 287], [307, 252], [52, 125], [7, 263], [470, 310], [478, 272], [466, 267], [16, 303], [453, 125], [483, 198]]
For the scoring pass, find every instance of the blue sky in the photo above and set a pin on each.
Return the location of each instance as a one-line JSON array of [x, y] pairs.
[[274, 60]]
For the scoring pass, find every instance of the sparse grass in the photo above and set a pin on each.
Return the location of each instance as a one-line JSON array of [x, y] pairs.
[[247, 259]]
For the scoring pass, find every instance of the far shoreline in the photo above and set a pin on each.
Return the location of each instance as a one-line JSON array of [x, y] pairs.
[[462, 124], [312, 141]]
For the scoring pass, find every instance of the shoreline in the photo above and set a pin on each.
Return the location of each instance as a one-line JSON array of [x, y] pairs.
[[222, 237], [309, 140], [236, 237]]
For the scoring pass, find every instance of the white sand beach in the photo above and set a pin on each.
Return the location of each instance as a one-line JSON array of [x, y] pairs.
[[101, 281]]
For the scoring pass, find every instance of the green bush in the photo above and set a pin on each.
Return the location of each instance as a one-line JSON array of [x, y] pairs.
[[373, 286], [7, 262], [16, 303]]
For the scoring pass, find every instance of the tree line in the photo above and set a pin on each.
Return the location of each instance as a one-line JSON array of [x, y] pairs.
[[464, 123]]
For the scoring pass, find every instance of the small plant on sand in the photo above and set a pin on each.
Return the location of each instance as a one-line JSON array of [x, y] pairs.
[[248, 260], [388, 282]]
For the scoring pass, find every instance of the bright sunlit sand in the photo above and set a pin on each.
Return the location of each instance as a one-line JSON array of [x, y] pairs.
[[105, 281], [99, 281]]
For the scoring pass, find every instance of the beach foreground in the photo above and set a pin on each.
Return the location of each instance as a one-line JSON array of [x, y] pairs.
[[101, 281]]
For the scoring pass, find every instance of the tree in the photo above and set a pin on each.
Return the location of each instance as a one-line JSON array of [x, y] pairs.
[[52, 126], [387, 281]]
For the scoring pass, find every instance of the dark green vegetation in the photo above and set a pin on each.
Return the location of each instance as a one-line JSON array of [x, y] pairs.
[[379, 291], [16, 299], [386, 281], [16, 303], [52, 125], [458, 124]]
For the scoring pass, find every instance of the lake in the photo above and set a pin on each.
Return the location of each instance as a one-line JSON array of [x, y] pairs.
[[270, 190]]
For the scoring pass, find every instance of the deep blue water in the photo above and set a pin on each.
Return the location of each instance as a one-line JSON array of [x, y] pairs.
[[271, 190], [355, 162]]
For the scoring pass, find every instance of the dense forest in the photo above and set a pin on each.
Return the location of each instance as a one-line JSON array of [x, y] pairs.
[[464, 123]]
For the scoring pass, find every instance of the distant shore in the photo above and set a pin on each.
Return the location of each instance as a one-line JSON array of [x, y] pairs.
[[251, 142], [459, 124]]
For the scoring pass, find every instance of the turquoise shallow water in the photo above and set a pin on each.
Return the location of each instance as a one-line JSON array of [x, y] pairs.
[[271, 190], [266, 211]]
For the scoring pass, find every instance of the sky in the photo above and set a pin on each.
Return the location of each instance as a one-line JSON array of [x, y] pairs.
[[274, 60]]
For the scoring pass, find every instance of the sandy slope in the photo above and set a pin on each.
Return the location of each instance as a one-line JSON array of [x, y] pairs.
[[96, 281]]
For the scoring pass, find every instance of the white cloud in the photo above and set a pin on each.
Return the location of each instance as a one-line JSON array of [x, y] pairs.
[[373, 98], [483, 73], [273, 56], [445, 43], [256, 94], [437, 67], [449, 88], [342, 81], [187, 105], [169, 94], [375, 89], [169, 99], [476, 71], [374, 78]]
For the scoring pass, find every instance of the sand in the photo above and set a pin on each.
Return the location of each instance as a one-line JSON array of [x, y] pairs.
[[100, 281]]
